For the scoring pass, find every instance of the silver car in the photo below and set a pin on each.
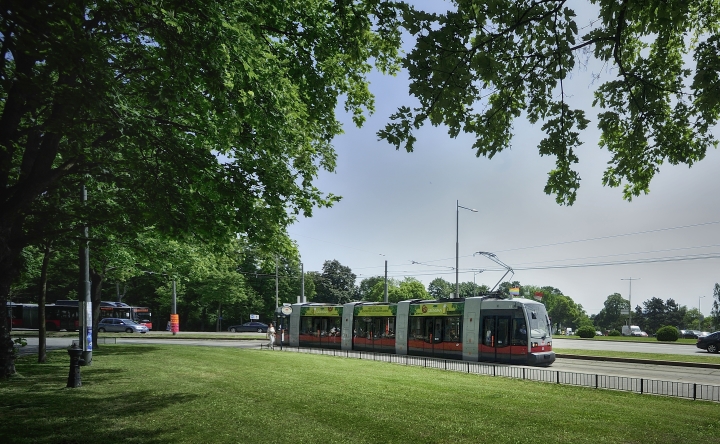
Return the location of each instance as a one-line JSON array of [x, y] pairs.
[[121, 325]]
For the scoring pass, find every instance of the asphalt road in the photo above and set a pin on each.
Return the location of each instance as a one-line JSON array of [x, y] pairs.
[[638, 347]]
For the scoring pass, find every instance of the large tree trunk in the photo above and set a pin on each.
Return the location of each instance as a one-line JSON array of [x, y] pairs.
[[7, 355], [42, 333]]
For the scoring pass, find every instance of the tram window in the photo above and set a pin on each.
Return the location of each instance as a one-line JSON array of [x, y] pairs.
[[416, 328], [452, 329], [489, 332], [519, 332], [502, 332]]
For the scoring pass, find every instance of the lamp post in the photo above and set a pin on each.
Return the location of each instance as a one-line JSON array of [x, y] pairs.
[[457, 245], [701, 316], [630, 298], [475, 273]]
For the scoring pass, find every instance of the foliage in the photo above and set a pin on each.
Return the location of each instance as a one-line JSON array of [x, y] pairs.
[[610, 316], [363, 290], [667, 333], [657, 313], [336, 284], [614, 333], [481, 65], [715, 312], [189, 118], [439, 288], [586, 331]]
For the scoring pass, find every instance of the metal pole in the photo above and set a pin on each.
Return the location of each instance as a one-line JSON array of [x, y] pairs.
[[457, 245], [386, 293], [174, 304], [276, 283], [302, 283], [86, 307], [630, 298], [457, 249]]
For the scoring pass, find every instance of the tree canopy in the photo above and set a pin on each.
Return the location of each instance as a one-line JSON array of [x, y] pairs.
[[483, 64], [191, 118]]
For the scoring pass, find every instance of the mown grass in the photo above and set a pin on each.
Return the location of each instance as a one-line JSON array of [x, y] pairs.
[[702, 357], [159, 394]]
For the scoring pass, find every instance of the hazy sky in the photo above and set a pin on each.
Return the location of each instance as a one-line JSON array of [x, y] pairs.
[[401, 207]]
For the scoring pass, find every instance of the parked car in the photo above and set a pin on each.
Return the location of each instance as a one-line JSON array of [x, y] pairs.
[[710, 342], [688, 334], [249, 326], [598, 333], [120, 325]]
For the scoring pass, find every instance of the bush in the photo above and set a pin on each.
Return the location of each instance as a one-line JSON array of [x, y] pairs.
[[586, 332], [614, 333], [668, 333]]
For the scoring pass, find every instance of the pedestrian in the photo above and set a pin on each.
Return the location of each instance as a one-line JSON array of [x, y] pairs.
[[271, 336]]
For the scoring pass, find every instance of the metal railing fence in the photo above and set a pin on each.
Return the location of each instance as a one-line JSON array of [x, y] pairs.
[[687, 390]]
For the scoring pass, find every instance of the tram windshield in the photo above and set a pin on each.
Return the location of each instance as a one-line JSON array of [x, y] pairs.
[[539, 322]]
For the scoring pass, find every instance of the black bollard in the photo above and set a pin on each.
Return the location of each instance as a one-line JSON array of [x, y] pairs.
[[74, 376]]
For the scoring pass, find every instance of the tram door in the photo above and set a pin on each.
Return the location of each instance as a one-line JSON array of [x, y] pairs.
[[496, 339]]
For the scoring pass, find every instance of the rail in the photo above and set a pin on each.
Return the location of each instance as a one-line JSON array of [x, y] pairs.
[[686, 390]]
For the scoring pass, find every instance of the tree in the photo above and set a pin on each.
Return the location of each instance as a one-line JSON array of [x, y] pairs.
[[656, 314], [439, 288], [611, 317], [366, 286], [336, 284], [481, 65], [195, 118], [564, 311], [715, 312], [410, 288]]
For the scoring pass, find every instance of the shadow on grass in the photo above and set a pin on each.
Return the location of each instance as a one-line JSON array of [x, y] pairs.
[[36, 407]]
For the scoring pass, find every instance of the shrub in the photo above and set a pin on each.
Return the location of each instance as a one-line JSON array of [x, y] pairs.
[[668, 333], [614, 333], [586, 331]]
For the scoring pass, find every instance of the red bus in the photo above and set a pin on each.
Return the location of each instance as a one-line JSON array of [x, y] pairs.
[[108, 309], [57, 317]]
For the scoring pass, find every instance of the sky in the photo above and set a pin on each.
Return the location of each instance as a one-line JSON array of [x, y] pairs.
[[401, 208]]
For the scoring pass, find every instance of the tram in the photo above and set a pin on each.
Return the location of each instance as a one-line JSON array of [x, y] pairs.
[[481, 328]]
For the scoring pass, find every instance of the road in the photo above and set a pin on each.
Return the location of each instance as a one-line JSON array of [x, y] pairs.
[[638, 347], [658, 372]]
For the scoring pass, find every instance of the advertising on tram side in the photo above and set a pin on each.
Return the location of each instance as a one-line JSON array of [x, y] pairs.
[[374, 327], [320, 325]]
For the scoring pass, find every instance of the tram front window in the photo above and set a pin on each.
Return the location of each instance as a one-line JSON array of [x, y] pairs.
[[539, 324]]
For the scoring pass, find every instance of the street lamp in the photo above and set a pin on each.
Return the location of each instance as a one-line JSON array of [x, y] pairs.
[[457, 245], [700, 297], [475, 273]]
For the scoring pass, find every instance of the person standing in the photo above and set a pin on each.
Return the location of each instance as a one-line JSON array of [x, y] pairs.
[[271, 336]]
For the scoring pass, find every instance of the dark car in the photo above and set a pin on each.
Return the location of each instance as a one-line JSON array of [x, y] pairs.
[[688, 334], [709, 342], [249, 326]]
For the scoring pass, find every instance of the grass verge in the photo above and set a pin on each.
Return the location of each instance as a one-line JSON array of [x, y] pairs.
[[702, 356], [159, 394]]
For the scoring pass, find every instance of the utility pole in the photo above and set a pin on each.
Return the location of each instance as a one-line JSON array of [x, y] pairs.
[[386, 293], [630, 298], [85, 300], [276, 283], [174, 318], [457, 244], [302, 282]]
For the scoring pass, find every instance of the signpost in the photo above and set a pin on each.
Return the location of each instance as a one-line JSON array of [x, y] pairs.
[[254, 317]]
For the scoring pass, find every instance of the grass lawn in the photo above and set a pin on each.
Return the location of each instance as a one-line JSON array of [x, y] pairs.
[[177, 394]]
